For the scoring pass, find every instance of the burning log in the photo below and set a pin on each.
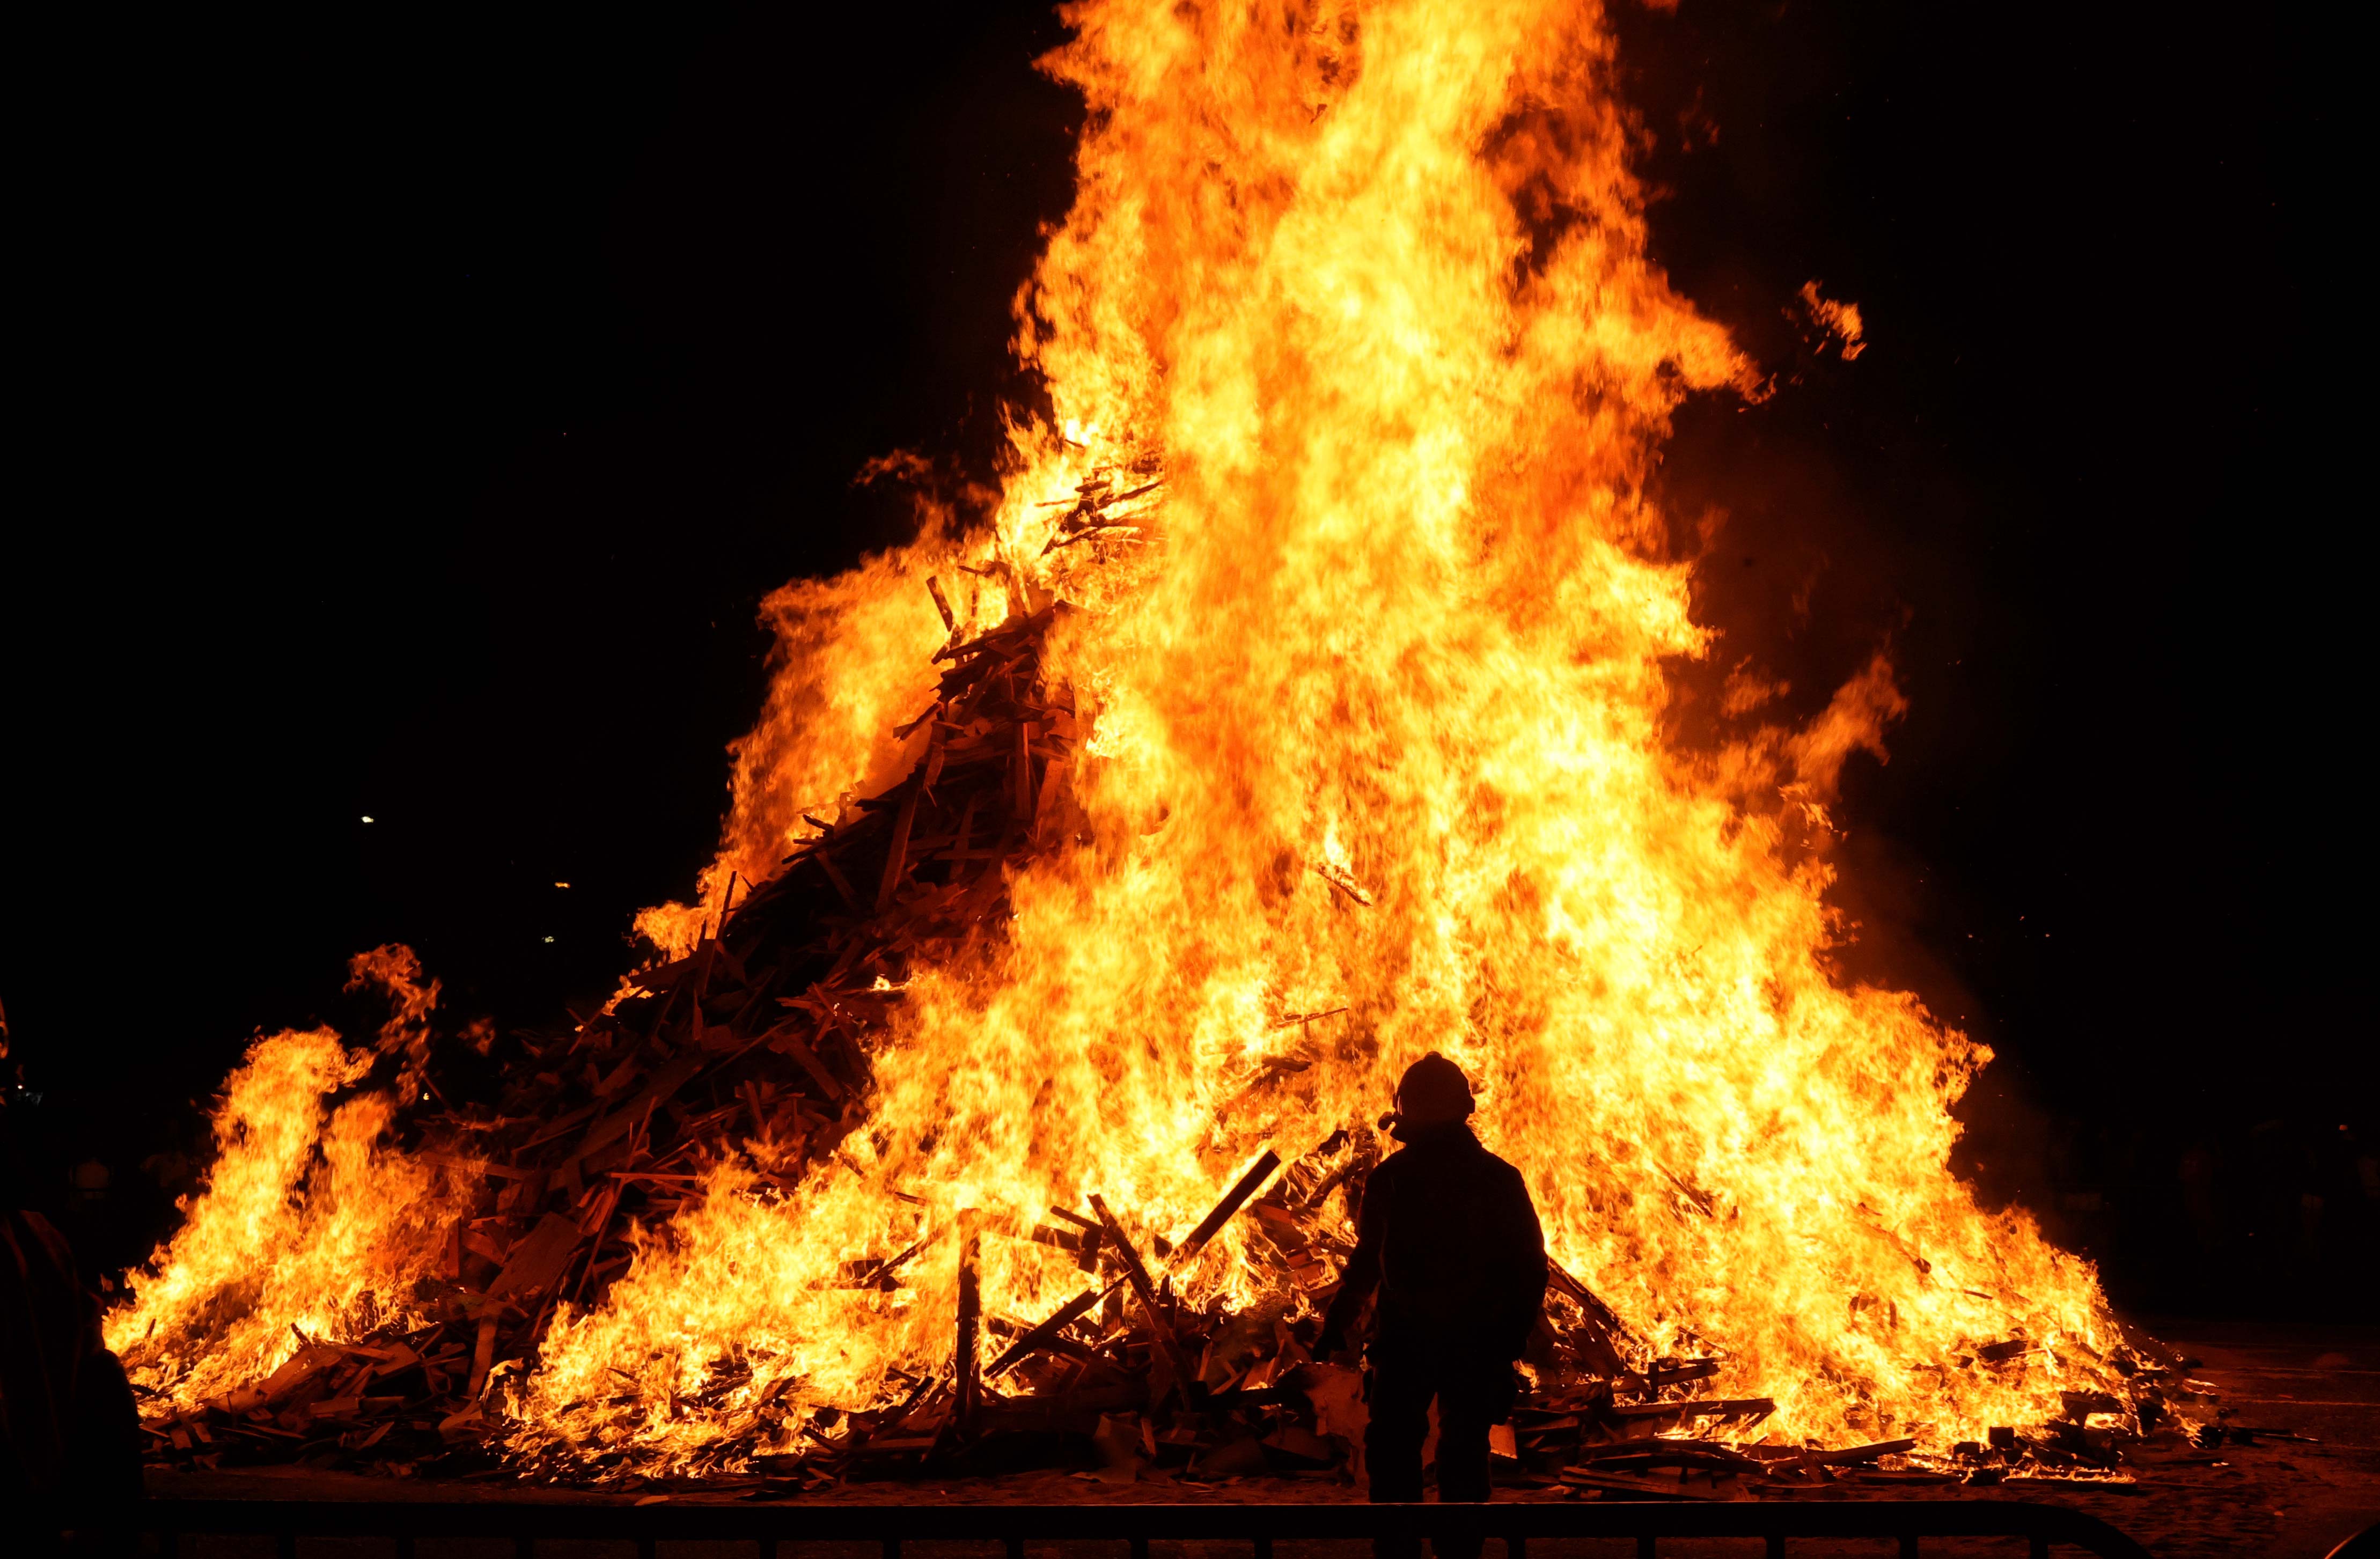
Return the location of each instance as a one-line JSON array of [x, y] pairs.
[[965, 1363], [1160, 1325]]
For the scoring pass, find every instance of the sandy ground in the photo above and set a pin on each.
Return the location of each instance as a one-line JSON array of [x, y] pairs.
[[2284, 1501]]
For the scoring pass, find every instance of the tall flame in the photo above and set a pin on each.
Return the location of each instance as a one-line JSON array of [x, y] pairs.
[[1379, 676], [1372, 673], [313, 1224]]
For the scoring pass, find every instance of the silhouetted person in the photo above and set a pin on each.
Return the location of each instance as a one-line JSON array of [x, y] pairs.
[[70, 1436], [1448, 1235]]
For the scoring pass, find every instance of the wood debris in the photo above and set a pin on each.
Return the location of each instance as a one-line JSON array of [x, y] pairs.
[[756, 1046]]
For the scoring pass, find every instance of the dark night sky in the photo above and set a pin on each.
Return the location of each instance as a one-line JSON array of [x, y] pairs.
[[423, 403]]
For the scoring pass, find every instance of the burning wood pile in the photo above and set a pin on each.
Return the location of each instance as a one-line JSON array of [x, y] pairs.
[[756, 1047], [753, 1045], [1223, 801]]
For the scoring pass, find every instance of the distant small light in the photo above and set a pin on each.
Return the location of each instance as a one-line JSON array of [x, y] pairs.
[[367, 819], [561, 885], [549, 938]]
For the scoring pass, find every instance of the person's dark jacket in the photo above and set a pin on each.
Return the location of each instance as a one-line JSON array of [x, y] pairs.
[[67, 1429], [1449, 1237]]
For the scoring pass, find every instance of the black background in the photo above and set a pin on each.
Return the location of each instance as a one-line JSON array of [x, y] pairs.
[[422, 402]]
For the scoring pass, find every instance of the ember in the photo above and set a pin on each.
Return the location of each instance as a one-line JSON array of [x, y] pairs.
[[1009, 1092]]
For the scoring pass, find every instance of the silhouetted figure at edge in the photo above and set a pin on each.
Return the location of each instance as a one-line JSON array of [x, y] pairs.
[[1448, 1235], [69, 1438]]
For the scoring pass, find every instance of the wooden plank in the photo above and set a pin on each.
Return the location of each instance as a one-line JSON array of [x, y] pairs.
[[787, 1040], [674, 1075], [834, 874], [1850, 1455], [1022, 809], [1696, 1407], [896, 859], [891, 1264], [1661, 1376], [1033, 1341], [1161, 1331], [1234, 1200], [1340, 878], [965, 1362], [936, 750], [1604, 1326], [538, 1259], [1622, 1454]]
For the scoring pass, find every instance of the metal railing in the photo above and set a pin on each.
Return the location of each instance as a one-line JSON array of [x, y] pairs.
[[1260, 1526]]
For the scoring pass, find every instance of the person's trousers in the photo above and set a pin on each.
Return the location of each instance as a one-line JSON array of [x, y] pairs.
[[1471, 1396]]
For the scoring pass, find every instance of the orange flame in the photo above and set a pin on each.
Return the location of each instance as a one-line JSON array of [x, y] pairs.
[[1372, 678], [1839, 321], [1379, 677], [310, 1226]]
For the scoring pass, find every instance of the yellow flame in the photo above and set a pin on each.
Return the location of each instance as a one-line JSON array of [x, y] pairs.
[[1374, 688], [1370, 291], [309, 1222]]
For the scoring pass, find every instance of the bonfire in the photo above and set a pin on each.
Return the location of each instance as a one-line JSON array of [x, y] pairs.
[[1300, 705]]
